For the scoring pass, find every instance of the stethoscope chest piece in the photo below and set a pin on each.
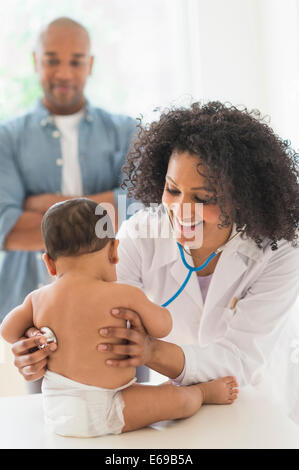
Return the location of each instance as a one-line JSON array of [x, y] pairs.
[[49, 335]]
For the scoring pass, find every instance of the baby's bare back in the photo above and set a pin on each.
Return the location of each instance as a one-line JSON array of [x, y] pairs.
[[75, 310]]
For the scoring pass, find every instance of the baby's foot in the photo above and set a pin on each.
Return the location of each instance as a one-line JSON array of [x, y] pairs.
[[221, 391]]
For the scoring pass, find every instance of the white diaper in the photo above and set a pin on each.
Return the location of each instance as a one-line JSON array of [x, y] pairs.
[[78, 410]]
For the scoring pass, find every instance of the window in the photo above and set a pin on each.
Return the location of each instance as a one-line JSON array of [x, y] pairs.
[[140, 52]]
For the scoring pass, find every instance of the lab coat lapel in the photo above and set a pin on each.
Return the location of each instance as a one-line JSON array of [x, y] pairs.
[[232, 263], [229, 269]]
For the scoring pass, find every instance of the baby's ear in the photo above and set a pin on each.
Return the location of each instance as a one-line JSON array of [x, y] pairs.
[[50, 264]]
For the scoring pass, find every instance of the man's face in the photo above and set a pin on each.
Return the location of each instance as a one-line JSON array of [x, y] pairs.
[[63, 63]]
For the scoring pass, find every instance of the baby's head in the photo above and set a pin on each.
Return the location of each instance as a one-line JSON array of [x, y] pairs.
[[74, 228]]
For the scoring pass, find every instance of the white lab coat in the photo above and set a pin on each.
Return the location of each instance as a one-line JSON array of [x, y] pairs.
[[256, 340]]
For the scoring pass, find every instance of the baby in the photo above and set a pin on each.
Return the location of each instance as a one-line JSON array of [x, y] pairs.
[[82, 396]]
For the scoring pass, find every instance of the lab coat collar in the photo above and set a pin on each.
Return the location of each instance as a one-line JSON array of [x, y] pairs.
[[244, 246]]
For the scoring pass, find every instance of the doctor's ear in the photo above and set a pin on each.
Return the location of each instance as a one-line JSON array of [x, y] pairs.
[[112, 252], [51, 267]]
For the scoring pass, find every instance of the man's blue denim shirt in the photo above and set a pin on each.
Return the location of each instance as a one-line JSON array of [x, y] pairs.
[[30, 163]]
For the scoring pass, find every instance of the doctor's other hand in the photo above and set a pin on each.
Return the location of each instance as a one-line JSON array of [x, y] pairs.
[[31, 361], [139, 346]]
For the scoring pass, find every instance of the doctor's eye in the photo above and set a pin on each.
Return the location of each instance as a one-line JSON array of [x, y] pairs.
[[172, 191], [175, 192], [212, 200]]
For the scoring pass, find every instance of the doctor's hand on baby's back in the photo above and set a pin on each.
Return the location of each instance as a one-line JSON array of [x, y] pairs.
[[139, 344], [141, 348], [29, 359]]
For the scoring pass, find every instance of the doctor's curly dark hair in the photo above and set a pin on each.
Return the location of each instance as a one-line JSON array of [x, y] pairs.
[[256, 172]]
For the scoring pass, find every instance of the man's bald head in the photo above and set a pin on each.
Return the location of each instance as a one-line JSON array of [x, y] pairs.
[[63, 24], [63, 61]]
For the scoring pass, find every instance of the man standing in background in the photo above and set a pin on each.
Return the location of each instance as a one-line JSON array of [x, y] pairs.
[[63, 148]]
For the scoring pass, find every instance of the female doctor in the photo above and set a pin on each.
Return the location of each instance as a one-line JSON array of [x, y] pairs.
[[234, 316]]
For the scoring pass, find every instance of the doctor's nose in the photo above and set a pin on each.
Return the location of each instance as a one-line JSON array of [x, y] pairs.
[[184, 209]]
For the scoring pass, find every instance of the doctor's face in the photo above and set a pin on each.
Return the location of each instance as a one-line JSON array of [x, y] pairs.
[[189, 199]]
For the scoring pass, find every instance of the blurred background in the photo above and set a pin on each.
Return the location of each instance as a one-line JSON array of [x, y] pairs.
[[158, 53]]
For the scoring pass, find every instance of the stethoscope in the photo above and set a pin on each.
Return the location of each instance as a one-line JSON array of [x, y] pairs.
[[49, 335], [192, 269]]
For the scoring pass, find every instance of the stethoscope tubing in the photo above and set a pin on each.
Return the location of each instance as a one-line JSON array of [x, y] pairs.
[[191, 269]]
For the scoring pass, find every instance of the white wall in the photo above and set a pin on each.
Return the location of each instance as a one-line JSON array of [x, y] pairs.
[[281, 65], [229, 34], [246, 52]]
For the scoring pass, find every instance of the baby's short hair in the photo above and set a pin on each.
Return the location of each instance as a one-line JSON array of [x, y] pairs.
[[70, 228]]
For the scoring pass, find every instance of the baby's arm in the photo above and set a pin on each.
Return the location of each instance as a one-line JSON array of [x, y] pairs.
[[157, 320], [17, 321]]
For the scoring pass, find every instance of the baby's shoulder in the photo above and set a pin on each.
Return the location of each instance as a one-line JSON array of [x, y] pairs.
[[119, 288], [124, 292], [41, 292], [102, 289]]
